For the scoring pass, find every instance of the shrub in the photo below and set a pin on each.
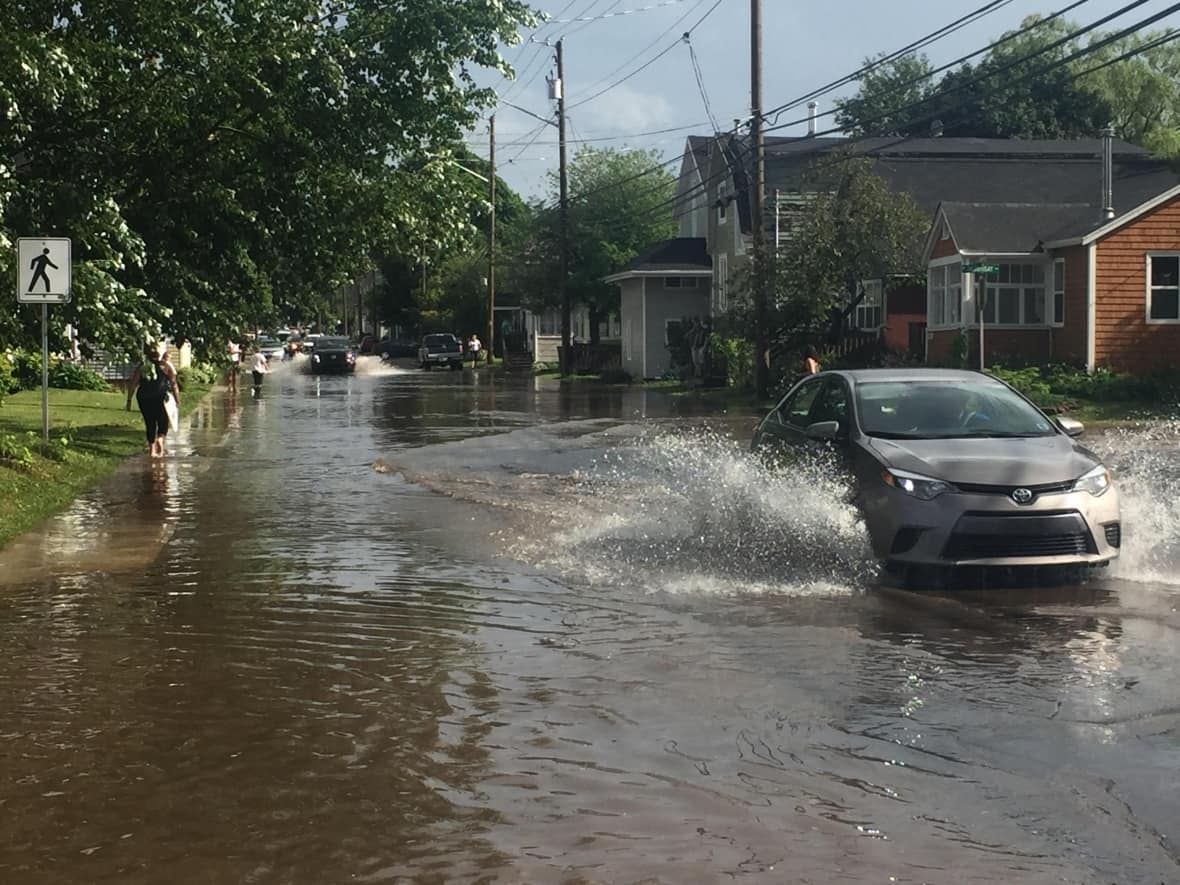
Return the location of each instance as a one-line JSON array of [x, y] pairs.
[[15, 451], [616, 376], [71, 376], [737, 355], [8, 380], [26, 365], [197, 373], [1027, 381]]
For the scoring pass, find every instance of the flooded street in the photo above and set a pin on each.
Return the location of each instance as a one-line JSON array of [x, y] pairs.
[[435, 627]]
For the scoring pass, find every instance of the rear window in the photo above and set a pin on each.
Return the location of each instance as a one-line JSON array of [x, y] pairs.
[[439, 339]]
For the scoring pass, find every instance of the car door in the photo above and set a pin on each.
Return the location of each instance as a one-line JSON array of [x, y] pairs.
[[785, 428], [832, 404]]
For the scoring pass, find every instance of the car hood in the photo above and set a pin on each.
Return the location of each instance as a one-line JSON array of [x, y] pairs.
[[1033, 461]]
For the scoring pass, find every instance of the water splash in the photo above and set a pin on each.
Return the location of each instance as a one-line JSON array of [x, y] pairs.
[[694, 512], [1146, 464]]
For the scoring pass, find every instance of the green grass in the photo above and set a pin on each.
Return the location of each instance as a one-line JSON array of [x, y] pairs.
[[1106, 413], [99, 434]]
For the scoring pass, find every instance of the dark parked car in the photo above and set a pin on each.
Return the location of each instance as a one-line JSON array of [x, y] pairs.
[[332, 354], [389, 349], [954, 468], [440, 349]]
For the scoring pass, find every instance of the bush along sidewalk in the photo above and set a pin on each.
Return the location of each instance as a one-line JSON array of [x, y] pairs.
[[90, 433], [1103, 395]]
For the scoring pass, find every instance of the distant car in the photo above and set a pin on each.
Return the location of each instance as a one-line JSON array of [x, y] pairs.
[[953, 468], [389, 349], [333, 354], [271, 348], [368, 343], [440, 349]]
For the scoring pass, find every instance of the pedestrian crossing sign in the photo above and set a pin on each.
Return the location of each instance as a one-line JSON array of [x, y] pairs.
[[43, 270]]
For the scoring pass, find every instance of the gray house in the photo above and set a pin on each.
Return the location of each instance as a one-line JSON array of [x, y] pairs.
[[659, 290]]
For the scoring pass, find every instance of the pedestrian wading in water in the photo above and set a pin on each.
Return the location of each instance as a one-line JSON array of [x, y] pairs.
[[153, 381], [259, 369]]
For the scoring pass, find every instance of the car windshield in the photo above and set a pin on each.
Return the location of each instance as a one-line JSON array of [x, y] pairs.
[[332, 342], [932, 409]]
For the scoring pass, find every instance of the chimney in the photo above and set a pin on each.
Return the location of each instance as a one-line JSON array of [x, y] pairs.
[[1107, 174], [811, 117]]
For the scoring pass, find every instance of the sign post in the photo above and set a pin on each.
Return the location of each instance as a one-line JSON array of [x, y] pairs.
[[43, 276], [978, 271]]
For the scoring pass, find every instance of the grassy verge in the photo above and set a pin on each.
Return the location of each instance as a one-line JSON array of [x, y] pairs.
[[1100, 413], [90, 434]]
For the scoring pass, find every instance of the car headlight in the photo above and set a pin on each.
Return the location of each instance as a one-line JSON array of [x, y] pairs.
[[924, 488], [1096, 482]]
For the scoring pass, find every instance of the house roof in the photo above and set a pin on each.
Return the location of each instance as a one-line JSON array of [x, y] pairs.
[[1012, 228], [680, 254], [976, 170]]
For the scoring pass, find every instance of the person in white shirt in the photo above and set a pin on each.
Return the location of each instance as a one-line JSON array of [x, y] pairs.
[[234, 351], [259, 369], [474, 345]]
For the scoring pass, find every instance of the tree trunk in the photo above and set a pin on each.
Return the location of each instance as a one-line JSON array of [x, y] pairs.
[[594, 323]]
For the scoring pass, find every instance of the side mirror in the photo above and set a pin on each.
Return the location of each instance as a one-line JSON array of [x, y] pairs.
[[1071, 427], [824, 430]]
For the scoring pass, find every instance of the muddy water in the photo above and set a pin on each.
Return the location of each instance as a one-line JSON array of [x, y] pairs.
[[430, 627]]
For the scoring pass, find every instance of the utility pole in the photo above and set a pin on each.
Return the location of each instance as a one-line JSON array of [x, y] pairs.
[[492, 249], [566, 344], [761, 278]]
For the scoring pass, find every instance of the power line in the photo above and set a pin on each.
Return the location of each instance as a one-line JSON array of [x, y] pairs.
[[648, 47], [932, 37], [649, 62], [922, 42], [608, 14], [696, 69], [1008, 66]]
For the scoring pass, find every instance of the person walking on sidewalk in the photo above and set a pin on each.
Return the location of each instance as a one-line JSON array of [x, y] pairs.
[[474, 345], [233, 352], [152, 382]]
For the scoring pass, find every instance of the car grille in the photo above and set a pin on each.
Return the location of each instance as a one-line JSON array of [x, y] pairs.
[[1037, 490], [1114, 534], [998, 546], [995, 536]]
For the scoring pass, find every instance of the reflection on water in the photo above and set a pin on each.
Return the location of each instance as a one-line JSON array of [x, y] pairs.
[[576, 635]]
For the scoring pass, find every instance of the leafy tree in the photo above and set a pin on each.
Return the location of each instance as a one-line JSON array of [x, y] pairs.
[[1005, 95], [216, 163], [618, 208], [855, 229], [886, 91], [1143, 92]]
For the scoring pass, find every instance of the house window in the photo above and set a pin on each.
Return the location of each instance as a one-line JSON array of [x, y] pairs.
[[680, 282], [722, 205], [1058, 291], [870, 313], [944, 293], [1163, 288], [722, 283], [1015, 296]]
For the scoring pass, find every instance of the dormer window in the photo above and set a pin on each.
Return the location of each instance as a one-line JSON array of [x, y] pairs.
[[722, 205]]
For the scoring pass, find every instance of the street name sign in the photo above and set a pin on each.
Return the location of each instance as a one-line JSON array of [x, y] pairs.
[[43, 270], [981, 268]]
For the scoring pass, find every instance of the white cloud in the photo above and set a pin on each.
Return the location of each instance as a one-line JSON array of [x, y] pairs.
[[622, 110]]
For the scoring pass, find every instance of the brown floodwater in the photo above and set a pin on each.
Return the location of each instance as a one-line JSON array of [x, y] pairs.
[[444, 627]]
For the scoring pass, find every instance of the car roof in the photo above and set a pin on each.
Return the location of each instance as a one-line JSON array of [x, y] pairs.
[[866, 376]]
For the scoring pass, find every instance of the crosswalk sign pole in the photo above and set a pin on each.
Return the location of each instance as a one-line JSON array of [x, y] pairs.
[[45, 374]]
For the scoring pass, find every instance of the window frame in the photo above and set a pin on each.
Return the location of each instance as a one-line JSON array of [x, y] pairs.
[[1150, 289], [940, 267], [1058, 289], [990, 309], [678, 282], [781, 413], [877, 304], [668, 324]]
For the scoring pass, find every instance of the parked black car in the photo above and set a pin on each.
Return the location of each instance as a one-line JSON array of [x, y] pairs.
[[389, 349], [440, 349], [333, 354]]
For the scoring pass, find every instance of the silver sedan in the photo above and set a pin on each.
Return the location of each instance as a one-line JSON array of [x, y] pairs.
[[954, 468]]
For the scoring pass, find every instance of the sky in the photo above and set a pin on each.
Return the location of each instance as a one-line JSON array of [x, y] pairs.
[[806, 45]]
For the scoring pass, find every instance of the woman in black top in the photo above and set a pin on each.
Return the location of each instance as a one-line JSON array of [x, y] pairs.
[[153, 381]]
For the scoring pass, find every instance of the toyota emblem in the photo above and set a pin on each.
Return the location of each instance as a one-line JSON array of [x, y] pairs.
[[1022, 496]]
